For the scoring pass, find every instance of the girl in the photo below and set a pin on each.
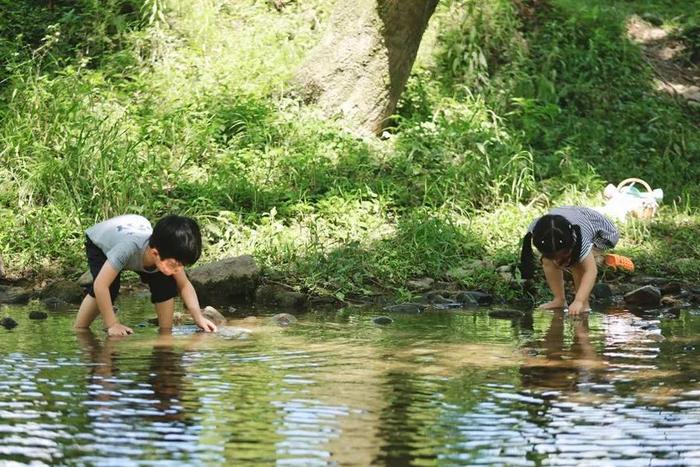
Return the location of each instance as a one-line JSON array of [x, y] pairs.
[[568, 237]]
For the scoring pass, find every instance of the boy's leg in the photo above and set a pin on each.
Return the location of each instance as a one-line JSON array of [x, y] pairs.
[[88, 310], [87, 313], [555, 281], [164, 310]]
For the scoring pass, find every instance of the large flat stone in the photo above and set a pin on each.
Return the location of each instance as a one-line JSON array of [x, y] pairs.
[[229, 281]]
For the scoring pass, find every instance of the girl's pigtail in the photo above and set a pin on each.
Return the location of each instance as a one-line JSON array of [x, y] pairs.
[[527, 258], [576, 247]]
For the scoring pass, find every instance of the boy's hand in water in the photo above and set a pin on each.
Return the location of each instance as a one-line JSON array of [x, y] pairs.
[[119, 329], [206, 325]]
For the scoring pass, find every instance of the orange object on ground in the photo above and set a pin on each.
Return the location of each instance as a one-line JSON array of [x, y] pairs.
[[619, 262]]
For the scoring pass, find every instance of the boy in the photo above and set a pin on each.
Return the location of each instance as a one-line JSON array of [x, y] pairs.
[[158, 255]]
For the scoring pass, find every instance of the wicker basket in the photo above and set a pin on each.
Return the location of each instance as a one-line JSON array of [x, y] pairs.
[[648, 206]]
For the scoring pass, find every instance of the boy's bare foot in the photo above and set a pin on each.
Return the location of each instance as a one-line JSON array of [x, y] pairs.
[[553, 305]]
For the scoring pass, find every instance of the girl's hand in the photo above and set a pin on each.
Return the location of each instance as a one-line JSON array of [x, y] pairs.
[[206, 325], [577, 307]]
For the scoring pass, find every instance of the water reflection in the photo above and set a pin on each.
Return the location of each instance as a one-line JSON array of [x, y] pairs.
[[562, 360], [155, 391], [453, 388]]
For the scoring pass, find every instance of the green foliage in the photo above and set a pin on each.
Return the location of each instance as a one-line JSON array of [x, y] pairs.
[[160, 106]]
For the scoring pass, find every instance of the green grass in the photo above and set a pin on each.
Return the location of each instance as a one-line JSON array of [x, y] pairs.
[[169, 106]]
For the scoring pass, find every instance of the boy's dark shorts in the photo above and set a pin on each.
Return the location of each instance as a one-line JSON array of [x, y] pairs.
[[162, 287]]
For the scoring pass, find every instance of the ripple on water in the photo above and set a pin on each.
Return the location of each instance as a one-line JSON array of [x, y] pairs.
[[347, 393]]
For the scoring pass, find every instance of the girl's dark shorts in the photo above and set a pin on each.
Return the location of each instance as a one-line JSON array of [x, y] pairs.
[[162, 287]]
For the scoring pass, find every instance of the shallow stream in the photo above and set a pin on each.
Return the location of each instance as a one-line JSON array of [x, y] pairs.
[[438, 388]]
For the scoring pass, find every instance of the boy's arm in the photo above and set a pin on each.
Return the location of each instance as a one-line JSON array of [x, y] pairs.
[[100, 286], [588, 278], [189, 297]]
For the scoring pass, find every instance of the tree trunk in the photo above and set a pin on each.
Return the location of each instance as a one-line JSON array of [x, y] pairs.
[[360, 68]]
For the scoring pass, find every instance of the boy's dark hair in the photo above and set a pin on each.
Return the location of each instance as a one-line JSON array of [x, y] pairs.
[[552, 233], [177, 237]]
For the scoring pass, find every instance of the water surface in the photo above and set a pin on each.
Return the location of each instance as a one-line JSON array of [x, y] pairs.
[[440, 388]]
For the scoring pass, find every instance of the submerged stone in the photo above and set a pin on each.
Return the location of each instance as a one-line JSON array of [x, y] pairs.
[[405, 308], [482, 298], [437, 298], [37, 315], [673, 312], [466, 299], [449, 305], [55, 303], [506, 314], [382, 320], [8, 323], [283, 319], [232, 332]]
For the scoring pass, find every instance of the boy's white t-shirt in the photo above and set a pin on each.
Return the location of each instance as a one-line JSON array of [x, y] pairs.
[[123, 240]]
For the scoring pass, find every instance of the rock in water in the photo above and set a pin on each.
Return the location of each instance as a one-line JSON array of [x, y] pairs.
[[466, 299], [37, 315], [506, 314], [232, 332], [68, 291], [56, 304], [601, 291], [8, 323], [647, 296], [382, 320], [283, 319], [405, 308], [213, 315], [482, 298], [9, 294]]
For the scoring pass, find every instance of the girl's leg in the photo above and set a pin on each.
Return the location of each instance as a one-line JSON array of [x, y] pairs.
[[164, 310], [555, 281], [87, 313]]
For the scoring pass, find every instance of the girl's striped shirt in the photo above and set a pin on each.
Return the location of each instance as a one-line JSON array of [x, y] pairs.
[[596, 230]]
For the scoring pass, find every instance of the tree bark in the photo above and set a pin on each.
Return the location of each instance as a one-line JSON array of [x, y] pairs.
[[360, 68]]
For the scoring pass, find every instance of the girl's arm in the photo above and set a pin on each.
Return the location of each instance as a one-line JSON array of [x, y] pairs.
[[589, 273]]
